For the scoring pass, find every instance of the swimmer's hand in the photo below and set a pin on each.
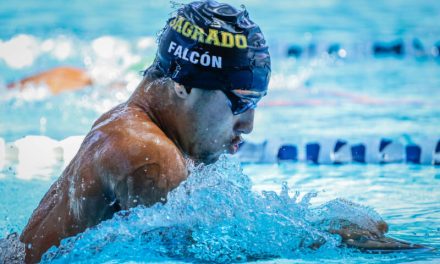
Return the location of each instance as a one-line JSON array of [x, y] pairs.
[[350, 231], [373, 241]]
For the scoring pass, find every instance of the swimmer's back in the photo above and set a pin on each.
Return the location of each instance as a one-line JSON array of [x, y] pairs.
[[125, 160]]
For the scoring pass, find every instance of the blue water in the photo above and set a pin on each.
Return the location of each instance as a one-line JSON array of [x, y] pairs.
[[215, 216], [241, 216]]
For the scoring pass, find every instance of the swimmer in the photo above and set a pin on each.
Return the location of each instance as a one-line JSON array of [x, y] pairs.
[[58, 80], [194, 103]]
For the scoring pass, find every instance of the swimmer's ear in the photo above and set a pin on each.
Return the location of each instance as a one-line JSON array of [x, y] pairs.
[[181, 91]]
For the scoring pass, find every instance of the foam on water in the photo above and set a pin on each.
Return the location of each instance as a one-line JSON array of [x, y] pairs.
[[215, 216]]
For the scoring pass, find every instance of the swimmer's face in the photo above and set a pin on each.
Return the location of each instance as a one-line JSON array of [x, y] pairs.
[[214, 129]]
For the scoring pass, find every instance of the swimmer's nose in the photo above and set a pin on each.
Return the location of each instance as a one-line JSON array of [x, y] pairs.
[[245, 122]]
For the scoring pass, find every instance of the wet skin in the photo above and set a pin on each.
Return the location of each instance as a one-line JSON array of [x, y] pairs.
[[134, 155]]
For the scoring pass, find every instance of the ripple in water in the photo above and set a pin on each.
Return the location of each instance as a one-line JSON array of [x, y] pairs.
[[215, 216]]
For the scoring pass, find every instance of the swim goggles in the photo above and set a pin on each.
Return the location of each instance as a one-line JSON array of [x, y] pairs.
[[242, 100]]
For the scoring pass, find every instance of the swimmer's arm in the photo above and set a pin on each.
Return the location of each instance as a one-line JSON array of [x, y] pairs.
[[369, 240], [349, 230]]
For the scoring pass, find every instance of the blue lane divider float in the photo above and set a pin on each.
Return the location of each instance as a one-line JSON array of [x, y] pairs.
[[436, 156], [338, 151], [287, 152], [358, 153], [413, 154]]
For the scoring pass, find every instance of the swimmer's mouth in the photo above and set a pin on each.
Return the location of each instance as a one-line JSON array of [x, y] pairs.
[[235, 143]]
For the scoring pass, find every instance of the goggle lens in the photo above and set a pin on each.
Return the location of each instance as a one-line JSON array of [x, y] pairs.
[[240, 104]]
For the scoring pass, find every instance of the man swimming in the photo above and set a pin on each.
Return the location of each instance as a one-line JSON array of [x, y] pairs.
[[57, 80], [196, 100]]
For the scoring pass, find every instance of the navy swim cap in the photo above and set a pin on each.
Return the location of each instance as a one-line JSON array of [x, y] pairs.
[[213, 46]]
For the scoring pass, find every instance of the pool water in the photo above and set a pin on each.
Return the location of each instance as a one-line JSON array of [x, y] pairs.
[[352, 94], [237, 220]]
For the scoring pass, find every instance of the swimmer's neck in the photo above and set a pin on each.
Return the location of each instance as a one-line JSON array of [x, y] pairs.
[[155, 102]]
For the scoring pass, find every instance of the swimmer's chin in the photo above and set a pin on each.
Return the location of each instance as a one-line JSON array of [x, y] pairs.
[[209, 159]]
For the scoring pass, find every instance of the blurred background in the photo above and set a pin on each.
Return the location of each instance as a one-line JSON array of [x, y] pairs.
[[370, 66], [358, 70]]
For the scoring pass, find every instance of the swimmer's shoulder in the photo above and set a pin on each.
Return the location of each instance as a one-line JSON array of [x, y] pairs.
[[134, 142]]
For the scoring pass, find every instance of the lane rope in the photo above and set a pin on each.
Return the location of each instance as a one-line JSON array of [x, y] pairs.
[[31, 152]]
